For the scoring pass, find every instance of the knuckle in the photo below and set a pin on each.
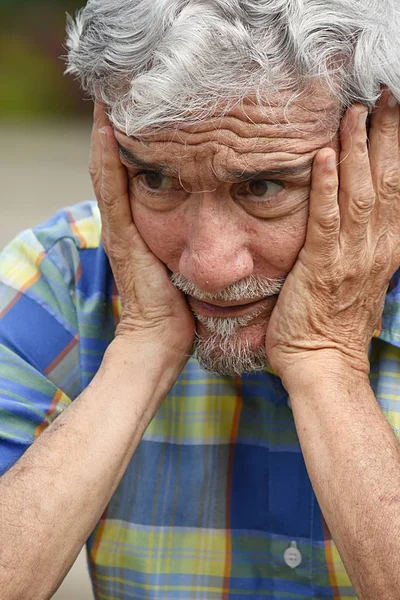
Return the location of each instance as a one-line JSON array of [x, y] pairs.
[[360, 146], [364, 203], [379, 265], [382, 253], [329, 223], [330, 187], [389, 183], [382, 257], [353, 273], [389, 129], [328, 228], [93, 172]]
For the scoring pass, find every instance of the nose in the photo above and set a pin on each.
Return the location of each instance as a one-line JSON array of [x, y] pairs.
[[215, 254]]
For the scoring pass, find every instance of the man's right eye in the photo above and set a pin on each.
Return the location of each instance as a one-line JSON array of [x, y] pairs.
[[156, 182]]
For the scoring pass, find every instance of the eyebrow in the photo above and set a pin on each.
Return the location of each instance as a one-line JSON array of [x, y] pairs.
[[276, 173], [135, 161], [166, 170]]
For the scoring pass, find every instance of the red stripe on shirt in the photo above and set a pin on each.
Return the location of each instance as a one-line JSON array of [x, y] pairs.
[[232, 442]]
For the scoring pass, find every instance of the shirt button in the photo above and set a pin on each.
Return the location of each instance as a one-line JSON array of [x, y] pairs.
[[292, 556]]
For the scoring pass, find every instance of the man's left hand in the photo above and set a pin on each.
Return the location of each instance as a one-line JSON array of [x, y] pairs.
[[333, 298]]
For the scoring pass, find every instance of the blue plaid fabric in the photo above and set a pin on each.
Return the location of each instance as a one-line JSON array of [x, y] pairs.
[[216, 503]]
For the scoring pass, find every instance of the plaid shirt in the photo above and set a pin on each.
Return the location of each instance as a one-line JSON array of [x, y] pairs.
[[216, 503]]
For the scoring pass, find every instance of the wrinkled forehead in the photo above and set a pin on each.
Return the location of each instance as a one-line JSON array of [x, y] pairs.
[[283, 115], [285, 132]]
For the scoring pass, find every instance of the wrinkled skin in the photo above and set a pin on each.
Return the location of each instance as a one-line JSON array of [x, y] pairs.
[[153, 311], [203, 221], [337, 287]]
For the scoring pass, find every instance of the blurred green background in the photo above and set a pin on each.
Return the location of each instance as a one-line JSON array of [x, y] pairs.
[[32, 84], [45, 120], [44, 142]]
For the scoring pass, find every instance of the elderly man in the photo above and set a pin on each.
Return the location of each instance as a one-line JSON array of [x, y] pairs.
[[246, 220]]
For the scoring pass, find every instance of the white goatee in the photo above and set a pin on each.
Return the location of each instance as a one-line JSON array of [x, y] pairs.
[[224, 351]]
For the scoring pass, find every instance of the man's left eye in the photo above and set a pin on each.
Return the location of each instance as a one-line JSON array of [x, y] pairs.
[[260, 189]]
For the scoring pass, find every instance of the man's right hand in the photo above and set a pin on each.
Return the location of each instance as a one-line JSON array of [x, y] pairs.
[[92, 442], [153, 310]]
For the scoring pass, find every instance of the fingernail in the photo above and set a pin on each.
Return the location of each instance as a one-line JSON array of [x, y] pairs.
[[363, 119], [392, 101], [330, 162]]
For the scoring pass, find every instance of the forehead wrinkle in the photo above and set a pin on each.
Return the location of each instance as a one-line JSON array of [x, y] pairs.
[[256, 148], [265, 139], [242, 137], [281, 115], [230, 129], [233, 165], [259, 134], [211, 160]]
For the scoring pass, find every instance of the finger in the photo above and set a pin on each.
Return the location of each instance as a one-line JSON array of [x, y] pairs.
[[385, 154], [356, 191], [114, 201], [99, 120], [114, 194], [384, 131], [324, 218]]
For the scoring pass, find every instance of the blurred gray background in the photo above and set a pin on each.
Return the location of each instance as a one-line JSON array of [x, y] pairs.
[[44, 142]]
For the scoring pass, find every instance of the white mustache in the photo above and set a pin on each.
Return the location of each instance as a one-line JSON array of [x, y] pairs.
[[251, 288]]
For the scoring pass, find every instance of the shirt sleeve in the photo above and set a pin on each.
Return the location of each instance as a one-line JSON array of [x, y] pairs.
[[39, 341]]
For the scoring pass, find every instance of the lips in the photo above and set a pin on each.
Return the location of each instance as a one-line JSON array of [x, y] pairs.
[[207, 309]]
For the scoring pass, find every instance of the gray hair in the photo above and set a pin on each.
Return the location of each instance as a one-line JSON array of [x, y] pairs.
[[161, 63]]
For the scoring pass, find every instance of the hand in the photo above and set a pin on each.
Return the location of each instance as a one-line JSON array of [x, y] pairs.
[[333, 297], [153, 310]]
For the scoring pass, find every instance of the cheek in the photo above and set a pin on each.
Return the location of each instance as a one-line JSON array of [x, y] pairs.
[[274, 244], [160, 232], [279, 243]]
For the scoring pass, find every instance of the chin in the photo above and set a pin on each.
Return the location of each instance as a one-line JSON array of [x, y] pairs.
[[242, 351]]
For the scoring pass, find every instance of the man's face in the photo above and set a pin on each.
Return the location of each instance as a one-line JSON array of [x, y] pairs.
[[224, 204]]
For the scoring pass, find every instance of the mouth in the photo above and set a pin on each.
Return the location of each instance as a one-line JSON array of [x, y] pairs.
[[224, 310]]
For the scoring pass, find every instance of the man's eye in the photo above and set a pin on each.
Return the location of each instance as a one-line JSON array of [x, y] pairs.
[[259, 189], [156, 182]]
